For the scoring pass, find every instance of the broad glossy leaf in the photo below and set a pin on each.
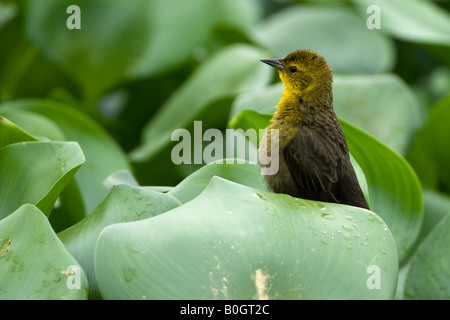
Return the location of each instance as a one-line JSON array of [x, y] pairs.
[[123, 203], [36, 125], [243, 173], [34, 264], [36, 173], [393, 187], [428, 277], [120, 177], [395, 191], [71, 207], [436, 207], [233, 70], [11, 133], [430, 152], [103, 154], [334, 32], [236, 242], [383, 105], [414, 20]]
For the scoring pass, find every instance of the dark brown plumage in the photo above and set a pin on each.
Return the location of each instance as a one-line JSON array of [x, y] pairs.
[[314, 161]]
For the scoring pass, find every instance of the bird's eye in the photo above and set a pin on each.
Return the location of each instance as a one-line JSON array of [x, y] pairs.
[[293, 69]]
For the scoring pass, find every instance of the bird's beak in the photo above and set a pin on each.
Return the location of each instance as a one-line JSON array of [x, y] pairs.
[[276, 63]]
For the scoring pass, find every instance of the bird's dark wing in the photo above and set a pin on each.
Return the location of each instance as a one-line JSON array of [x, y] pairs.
[[313, 160]]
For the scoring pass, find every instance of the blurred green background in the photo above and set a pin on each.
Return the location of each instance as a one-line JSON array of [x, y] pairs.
[[143, 68], [137, 70], [131, 59]]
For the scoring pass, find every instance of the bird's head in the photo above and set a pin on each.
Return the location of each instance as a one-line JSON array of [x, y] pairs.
[[305, 74]]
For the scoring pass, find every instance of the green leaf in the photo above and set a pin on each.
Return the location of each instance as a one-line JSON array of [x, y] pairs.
[[334, 32], [250, 119], [36, 173], [69, 209], [394, 189], [414, 20], [263, 100], [243, 173], [8, 12], [236, 242], [169, 49], [430, 154], [103, 154], [233, 70], [37, 126], [123, 203], [428, 277], [120, 177], [436, 207], [381, 104], [34, 264], [10, 133]]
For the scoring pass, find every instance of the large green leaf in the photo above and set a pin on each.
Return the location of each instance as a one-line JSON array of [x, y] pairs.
[[37, 126], [334, 32], [436, 207], [393, 186], [430, 154], [233, 70], [36, 173], [395, 192], [414, 20], [236, 242], [123, 203], [243, 173], [71, 207], [103, 154], [11, 133], [34, 264], [429, 273], [381, 104]]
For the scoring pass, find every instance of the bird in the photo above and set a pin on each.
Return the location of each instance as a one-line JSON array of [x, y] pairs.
[[313, 156]]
